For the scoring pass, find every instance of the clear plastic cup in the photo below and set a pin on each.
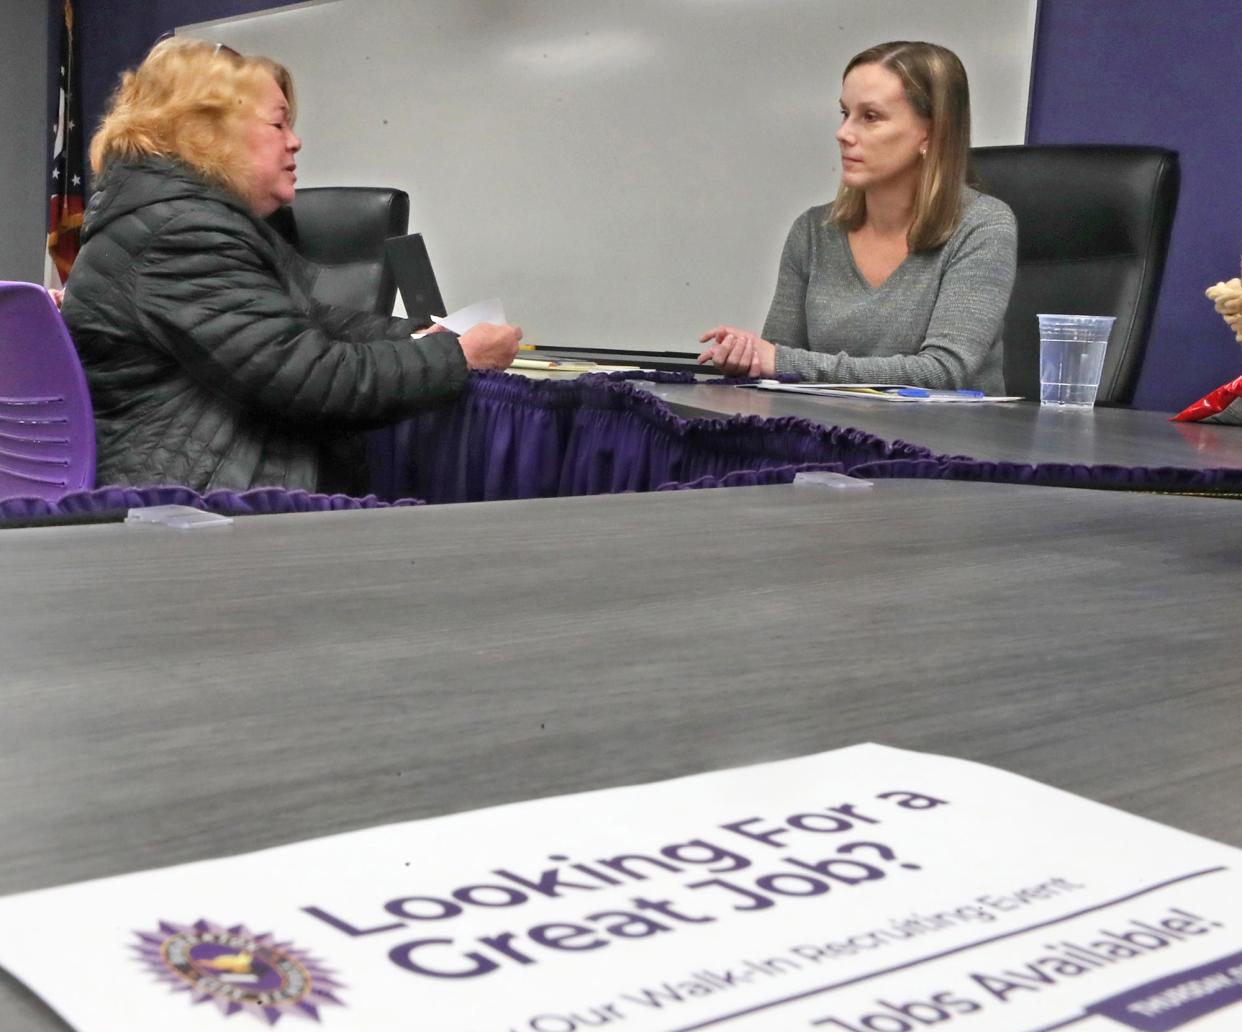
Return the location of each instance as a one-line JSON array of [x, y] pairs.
[[1071, 358]]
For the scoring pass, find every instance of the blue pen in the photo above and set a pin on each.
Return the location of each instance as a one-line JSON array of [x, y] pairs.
[[923, 392]]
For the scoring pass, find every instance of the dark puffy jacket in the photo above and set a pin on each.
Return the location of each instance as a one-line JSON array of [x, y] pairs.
[[209, 364]]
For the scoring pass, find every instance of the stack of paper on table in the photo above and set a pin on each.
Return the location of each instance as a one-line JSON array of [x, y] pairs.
[[492, 311], [565, 365], [882, 392]]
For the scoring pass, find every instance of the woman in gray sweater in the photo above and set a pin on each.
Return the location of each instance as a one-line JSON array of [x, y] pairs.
[[905, 277]]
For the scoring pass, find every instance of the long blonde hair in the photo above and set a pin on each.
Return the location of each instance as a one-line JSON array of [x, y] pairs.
[[190, 101], [936, 87]]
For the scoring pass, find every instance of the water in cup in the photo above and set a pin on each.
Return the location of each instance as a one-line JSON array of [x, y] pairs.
[[1071, 358]]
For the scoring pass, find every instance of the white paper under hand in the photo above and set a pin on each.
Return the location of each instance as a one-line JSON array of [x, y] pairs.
[[465, 319]]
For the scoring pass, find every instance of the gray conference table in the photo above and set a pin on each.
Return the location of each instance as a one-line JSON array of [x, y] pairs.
[[1018, 432], [170, 696]]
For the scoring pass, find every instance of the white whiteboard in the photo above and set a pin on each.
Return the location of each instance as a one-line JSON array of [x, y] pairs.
[[622, 173]]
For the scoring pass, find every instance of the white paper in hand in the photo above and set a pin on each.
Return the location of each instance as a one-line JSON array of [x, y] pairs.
[[465, 319]]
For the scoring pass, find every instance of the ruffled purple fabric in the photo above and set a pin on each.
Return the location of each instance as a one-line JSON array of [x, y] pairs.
[[1059, 474], [628, 440], [266, 500], [504, 437], [509, 437], [117, 500]]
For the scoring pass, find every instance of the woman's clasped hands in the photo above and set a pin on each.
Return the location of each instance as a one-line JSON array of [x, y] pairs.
[[738, 352]]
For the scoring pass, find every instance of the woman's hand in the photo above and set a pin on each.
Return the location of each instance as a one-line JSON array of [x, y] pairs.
[[490, 346], [738, 352], [57, 295]]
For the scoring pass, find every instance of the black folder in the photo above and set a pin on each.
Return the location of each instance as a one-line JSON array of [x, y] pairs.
[[411, 267]]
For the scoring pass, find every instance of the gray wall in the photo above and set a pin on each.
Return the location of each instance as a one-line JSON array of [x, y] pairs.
[[619, 173], [24, 138]]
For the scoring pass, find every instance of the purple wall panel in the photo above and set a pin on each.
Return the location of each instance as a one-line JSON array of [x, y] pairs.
[[1166, 73], [115, 34]]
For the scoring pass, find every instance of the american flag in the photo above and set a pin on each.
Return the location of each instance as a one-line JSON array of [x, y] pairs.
[[67, 180]]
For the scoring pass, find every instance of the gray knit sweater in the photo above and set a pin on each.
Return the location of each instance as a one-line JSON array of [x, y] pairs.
[[935, 322]]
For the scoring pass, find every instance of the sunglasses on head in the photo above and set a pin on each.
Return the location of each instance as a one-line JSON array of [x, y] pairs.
[[219, 47]]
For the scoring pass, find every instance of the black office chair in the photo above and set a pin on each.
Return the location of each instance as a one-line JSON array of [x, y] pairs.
[[1093, 230], [342, 229]]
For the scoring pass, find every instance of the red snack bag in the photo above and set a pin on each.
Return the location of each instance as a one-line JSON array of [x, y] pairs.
[[1223, 405]]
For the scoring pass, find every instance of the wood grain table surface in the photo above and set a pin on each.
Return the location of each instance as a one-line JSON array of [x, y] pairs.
[[171, 696]]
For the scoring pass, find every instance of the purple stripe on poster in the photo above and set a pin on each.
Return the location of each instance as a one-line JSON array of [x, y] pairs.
[[1170, 1002]]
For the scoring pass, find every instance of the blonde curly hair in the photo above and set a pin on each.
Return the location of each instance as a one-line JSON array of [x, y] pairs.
[[190, 101], [1227, 297]]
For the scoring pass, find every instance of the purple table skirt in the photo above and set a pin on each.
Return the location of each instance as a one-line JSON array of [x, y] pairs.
[[508, 437], [259, 501]]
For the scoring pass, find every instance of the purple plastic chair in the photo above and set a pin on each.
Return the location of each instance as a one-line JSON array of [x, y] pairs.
[[47, 426]]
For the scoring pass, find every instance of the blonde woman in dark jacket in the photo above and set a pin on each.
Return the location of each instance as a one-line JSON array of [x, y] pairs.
[[209, 364]]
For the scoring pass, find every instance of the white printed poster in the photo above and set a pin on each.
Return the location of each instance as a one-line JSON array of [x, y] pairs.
[[867, 889]]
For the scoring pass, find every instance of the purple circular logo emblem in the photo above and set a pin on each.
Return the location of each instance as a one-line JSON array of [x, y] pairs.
[[238, 970]]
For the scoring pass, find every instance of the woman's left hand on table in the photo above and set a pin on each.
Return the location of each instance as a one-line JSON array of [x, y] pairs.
[[737, 352]]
